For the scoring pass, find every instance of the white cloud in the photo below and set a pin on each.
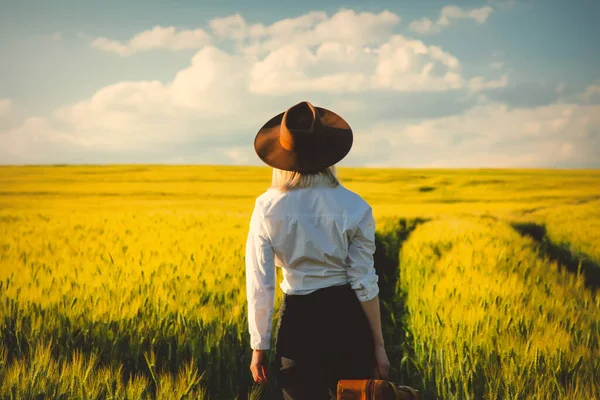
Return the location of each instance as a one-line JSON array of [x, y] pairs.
[[120, 115], [591, 92], [346, 52], [486, 135], [240, 155], [210, 110], [285, 71], [213, 84], [6, 107], [8, 114], [494, 135], [156, 38], [308, 30], [35, 140], [496, 121], [448, 15], [496, 65], [400, 64], [479, 83], [230, 27], [424, 25], [145, 113], [407, 65]]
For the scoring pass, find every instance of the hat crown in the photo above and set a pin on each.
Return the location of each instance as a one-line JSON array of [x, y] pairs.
[[303, 138], [300, 127]]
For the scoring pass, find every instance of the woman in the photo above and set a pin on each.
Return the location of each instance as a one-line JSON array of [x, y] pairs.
[[322, 236]]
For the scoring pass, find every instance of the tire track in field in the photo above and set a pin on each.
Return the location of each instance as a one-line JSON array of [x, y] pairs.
[[398, 340], [507, 324], [560, 254]]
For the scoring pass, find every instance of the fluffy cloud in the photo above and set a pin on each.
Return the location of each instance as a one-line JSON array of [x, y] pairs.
[[408, 101], [449, 15], [142, 114], [156, 38], [479, 83], [5, 107], [233, 27], [493, 135], [35, 140], [400, 64], [199, 102], [591, 92], [8, 114], [308, 30], [488, 134], [346, 52]]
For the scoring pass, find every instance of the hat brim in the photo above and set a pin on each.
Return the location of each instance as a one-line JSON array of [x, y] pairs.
[[337, 142]]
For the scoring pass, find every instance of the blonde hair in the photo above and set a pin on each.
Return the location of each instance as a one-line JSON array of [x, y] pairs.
[[289, 180]]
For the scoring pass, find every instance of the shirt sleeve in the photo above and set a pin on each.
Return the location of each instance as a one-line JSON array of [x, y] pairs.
[[361, 271], [260, 282]]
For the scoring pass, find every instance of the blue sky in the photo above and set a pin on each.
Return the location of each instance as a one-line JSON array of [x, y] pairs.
[[507, 83]]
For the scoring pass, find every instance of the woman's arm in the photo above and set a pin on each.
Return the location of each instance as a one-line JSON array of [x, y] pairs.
[[260, 292], [371, 309], [363, 279]]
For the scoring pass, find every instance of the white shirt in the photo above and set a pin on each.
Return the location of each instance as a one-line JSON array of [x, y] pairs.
[[320, 237]]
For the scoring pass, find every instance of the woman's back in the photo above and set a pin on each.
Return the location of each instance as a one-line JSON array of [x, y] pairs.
[[313, 231]]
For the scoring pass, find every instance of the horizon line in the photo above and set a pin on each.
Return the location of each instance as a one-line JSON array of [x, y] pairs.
[[234, 166]]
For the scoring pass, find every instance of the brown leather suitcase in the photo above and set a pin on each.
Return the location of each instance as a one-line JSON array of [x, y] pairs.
[[374, 389]]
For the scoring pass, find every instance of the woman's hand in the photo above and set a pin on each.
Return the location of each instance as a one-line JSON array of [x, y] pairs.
[[383, 364], [371, 309], [258, 366]]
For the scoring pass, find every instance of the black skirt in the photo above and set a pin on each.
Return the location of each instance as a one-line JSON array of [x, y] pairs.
[[322, 337]]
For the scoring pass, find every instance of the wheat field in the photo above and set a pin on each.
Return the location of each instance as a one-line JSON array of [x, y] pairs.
[[127, 281]]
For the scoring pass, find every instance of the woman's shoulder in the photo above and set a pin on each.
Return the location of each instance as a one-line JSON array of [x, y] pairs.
[[265, 196], [268, 198], [353, 198], [338, 198]]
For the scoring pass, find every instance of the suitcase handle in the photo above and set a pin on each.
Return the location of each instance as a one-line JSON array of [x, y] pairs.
[[412, 391]]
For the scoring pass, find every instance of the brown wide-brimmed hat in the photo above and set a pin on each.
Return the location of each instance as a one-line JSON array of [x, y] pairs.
[[304, 139]]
